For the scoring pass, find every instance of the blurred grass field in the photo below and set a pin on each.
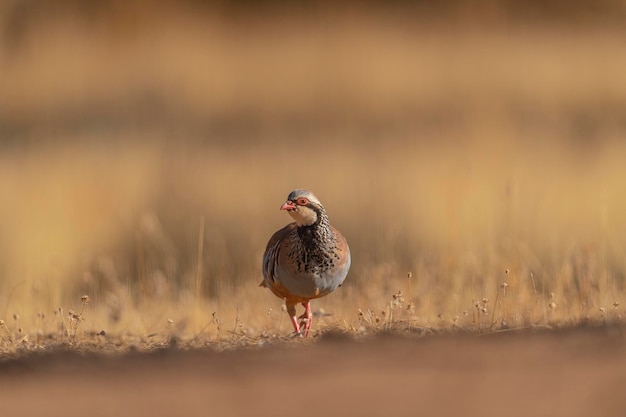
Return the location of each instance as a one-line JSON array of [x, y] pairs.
[[146, 150]]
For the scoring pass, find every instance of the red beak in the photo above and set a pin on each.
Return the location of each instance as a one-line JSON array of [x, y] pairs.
[[288, 205]]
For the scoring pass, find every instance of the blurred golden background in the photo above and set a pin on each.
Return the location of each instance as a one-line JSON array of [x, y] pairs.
[[146, 147]]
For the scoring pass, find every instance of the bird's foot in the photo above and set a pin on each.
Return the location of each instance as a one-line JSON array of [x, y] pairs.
[[305, 324]]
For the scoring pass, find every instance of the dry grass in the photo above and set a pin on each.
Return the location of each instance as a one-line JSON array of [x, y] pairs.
[[143, 165]]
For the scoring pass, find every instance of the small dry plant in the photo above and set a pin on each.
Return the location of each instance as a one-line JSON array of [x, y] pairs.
[[69, 328], [396, 315]]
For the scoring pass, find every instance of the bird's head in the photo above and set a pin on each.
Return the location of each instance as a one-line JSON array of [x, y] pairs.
[[303, 206]]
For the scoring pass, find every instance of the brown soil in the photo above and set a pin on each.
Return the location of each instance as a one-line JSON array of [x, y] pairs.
[[578, 372]]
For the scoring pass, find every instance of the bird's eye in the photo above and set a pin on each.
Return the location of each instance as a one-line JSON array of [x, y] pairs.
[[302, 201]]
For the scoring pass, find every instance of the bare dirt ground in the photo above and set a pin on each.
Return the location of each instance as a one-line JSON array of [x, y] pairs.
[[576, 372]]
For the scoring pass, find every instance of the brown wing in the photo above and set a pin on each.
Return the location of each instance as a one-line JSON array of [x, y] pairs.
[[342, 251], [270, 257]]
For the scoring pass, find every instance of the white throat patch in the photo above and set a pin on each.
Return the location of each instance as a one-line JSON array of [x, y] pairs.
[[303, 216]]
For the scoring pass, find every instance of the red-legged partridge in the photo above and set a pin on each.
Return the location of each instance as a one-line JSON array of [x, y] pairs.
[[306, 259]]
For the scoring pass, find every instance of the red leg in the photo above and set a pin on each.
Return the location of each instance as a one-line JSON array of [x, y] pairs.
[[306, 319], [291, 310]]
